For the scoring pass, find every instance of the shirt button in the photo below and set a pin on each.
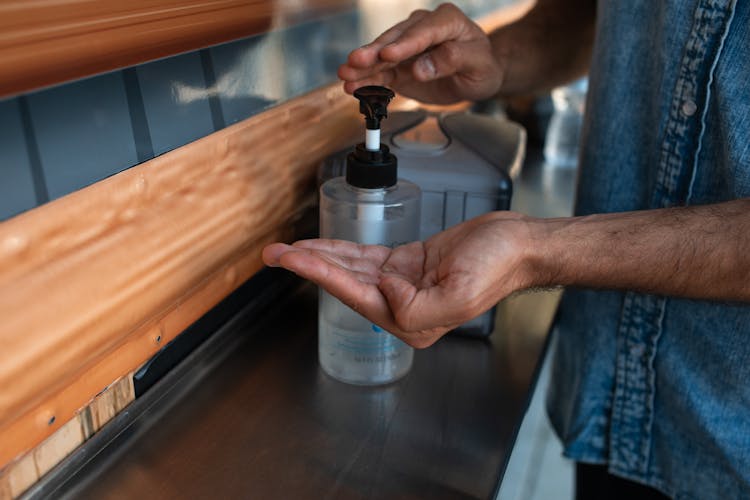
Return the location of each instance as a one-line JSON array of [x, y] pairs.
[[689, 107]]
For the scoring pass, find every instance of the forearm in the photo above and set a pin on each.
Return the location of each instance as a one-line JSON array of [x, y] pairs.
[[549, 46], [697, 252]]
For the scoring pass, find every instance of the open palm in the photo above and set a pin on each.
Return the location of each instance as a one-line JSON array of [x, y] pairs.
[[421, 290]]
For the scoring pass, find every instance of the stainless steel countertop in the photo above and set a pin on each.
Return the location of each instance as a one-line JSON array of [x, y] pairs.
[[266, 422]]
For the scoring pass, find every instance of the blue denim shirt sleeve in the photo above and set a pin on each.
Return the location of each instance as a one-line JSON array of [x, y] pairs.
[[658, 388]]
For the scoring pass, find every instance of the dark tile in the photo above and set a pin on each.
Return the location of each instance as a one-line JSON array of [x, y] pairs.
[[176, 101], [16, 181], [249, 75], [313, 51], [83, 131]]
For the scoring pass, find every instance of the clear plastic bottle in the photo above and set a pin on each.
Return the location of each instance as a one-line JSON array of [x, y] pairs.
[[370, 205], [351, 348]]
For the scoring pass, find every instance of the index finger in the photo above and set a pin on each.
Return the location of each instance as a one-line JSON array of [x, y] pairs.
[[446, 23], [345, 248], [368, 56], [344, 284]]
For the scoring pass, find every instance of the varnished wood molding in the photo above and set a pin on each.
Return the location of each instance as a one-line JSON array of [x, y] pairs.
[[92, 284], [26, 470], [44, 43]]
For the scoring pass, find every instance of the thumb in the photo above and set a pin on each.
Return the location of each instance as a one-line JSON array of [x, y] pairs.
[[398, 292], [417, 309]]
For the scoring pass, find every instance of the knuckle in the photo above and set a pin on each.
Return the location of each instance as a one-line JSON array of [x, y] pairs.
[[448, 7], [451, 54], [418, 14]]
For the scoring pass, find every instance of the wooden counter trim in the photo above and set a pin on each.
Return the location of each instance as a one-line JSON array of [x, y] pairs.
[[94, 283], [25, 471], [44, 43]]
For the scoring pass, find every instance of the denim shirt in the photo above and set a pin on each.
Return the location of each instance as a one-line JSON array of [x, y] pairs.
[[658, 388]]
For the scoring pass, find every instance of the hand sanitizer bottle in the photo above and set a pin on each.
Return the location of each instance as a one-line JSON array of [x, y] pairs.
[[370, 205]]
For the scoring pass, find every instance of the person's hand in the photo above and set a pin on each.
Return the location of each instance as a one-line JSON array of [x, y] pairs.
[[419, 291], [438, 56]]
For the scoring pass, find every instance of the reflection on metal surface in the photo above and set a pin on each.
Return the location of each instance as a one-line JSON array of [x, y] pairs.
[[256, 413], [268, 421]]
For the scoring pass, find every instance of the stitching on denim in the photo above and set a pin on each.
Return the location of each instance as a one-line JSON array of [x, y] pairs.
[[632, 414], [620, 378], [652, 350], [712, 72], [709, 18], [642, 319]]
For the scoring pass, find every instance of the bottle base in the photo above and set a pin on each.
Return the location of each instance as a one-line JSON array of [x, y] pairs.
[[365, 382]]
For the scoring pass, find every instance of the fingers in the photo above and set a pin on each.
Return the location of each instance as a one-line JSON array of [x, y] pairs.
[[450, 58], [352, 280], [402, 54], [319, 270], [368, 55], [446, 23], [273, 252], [361, 261], [385, 78], [344, 248], [408, 39], [364, 65]]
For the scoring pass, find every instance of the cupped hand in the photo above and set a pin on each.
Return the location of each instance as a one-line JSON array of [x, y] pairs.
[[438, 56], [418, 291]]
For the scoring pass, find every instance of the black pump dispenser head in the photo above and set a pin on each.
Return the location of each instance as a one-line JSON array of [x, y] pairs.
[[371, 165], [373, 103]]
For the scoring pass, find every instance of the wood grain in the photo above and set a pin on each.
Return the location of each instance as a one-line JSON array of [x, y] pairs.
[[94, 283], [58, 446], [17, 476], [21, 475], [44, 43], [104, 277]]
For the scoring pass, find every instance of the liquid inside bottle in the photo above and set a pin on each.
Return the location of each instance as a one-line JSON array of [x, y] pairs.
[[350, 347], [354, 350]]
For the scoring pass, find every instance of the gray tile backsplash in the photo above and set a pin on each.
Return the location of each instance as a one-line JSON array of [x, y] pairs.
[[83, 132], [176, 101], [58, 140], [16, 181], [249, 75], [314, 51]]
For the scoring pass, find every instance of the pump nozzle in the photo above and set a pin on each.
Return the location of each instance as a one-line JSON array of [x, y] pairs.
[[371, 165], [373, 103]]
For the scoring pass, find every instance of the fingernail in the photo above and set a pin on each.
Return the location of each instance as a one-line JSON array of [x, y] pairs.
[[427, 67]]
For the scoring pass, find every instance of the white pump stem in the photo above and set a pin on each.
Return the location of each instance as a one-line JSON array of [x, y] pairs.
[[372, 140], [370, 210], [371, 216]]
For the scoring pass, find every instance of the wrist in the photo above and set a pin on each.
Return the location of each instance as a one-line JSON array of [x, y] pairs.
[[543, 253]]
